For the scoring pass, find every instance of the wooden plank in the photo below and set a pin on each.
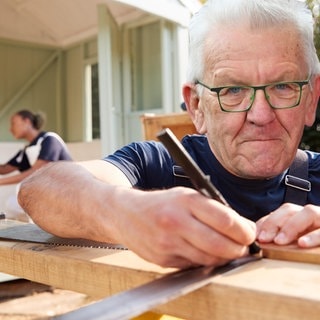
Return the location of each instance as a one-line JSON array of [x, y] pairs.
[[291, 253], [267, 289], [263, 288], [86, 270]]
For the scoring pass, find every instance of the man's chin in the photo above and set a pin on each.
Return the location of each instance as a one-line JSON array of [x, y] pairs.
[[261, 167]]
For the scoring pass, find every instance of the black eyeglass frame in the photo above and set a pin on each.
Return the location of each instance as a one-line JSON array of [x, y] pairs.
[[255, 88]]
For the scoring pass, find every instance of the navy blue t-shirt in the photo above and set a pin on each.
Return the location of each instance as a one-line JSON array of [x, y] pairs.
[[51, 148], [148, 165]]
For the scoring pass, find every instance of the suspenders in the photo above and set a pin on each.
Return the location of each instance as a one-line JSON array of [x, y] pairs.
[[296, 180], [297, 184]]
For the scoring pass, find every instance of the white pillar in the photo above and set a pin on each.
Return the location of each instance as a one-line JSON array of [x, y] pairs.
[[106, 99]]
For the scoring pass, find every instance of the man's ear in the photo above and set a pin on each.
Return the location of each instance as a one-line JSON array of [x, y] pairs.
[[313, 102], [192, 101]]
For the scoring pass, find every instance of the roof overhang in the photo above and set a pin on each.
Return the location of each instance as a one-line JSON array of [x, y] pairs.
[[61, 23]]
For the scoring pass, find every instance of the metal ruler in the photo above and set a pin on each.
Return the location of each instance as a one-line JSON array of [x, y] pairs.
[[134, 302]]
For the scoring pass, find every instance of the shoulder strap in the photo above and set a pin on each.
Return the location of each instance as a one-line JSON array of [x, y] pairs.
[[296, 180], [180, 178]]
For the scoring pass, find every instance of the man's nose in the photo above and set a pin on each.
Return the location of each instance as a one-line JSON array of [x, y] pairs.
[[260, 112]]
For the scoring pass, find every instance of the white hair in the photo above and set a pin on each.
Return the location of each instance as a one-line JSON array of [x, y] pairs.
[[258, 14]]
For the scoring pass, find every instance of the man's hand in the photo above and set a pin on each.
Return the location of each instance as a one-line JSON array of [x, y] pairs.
[[291, 223], [180, 227]]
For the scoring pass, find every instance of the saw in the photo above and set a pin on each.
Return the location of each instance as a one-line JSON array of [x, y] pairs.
[[9, 230]]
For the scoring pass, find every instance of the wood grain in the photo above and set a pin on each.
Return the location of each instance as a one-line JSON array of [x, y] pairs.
[[268, 289], [291, 253]]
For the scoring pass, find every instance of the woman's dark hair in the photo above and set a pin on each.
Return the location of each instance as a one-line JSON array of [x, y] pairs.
[[37, 119]]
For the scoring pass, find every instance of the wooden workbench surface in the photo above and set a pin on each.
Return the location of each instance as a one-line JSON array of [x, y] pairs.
[[266, 289]]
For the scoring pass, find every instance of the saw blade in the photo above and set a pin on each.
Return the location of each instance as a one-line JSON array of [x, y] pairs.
[[29, 232], [134, 302]]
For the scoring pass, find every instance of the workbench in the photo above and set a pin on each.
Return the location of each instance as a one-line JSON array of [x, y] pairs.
[[284, 285]]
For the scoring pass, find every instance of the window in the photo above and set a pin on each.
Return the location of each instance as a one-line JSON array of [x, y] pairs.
[[145, 54], [92, 114]]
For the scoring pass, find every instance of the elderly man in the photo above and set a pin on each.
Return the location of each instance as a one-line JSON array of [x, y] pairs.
[[253, 84]]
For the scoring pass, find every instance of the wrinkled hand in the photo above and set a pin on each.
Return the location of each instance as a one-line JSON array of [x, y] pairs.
[[291, 223], [180, 227]]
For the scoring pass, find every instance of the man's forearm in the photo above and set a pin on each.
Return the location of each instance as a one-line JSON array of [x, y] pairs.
[[66, 210]]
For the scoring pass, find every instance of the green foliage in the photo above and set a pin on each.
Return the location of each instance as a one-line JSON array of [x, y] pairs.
[[311, 136]]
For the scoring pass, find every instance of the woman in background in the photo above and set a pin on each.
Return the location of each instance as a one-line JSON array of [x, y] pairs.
[[42, 147]]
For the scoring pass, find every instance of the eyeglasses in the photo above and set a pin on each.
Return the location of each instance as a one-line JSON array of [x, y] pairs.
[[280, 95]]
